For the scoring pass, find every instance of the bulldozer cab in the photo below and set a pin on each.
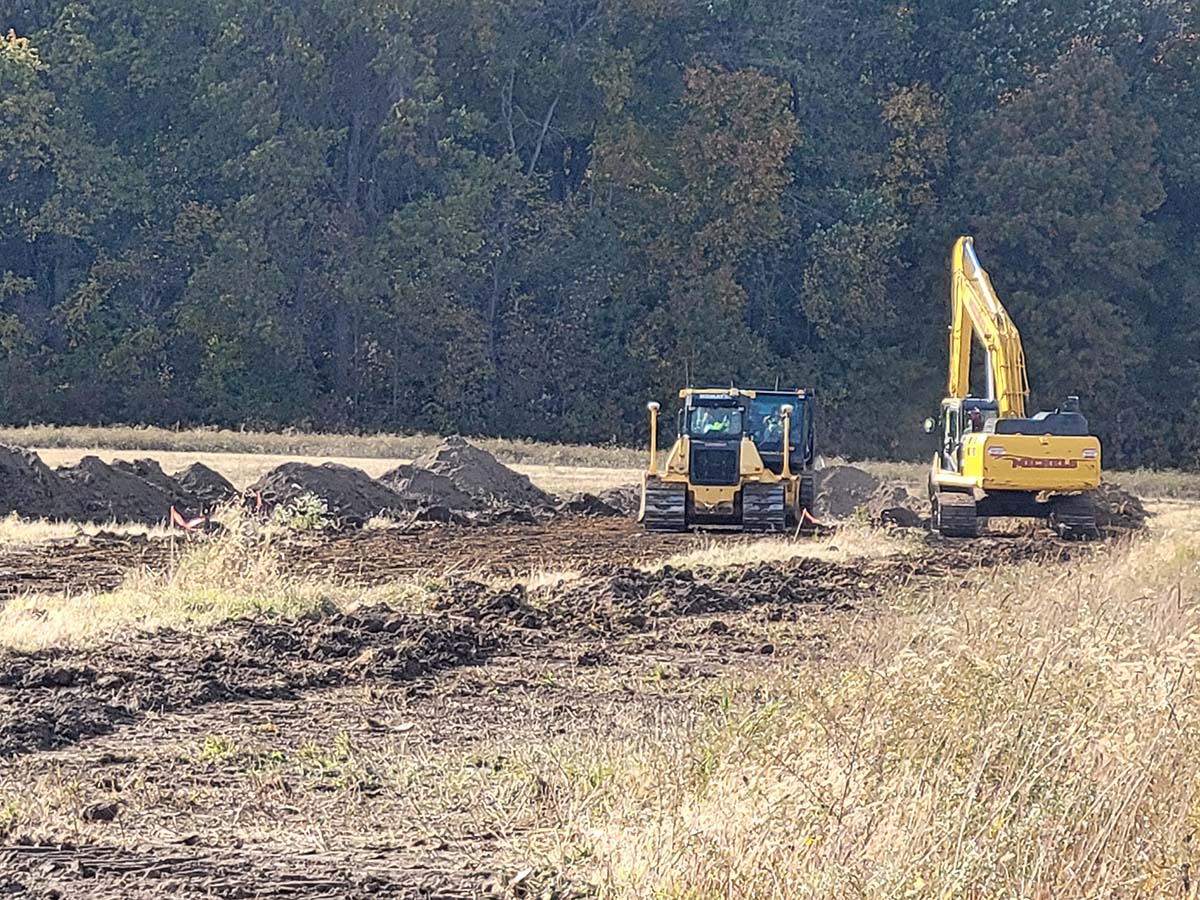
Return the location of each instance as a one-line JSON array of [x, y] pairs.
[[765, 428], [715, 422]]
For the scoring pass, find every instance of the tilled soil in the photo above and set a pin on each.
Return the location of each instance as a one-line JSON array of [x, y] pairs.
[[89, 562], [387, 754], [360, 557], [134, 873], [52, 698]]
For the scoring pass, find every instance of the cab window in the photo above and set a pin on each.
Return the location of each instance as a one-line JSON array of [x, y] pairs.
[[715, 421]]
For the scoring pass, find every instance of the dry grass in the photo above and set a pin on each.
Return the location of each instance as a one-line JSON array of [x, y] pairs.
[[237, 574], [1033, 733], [852, 541], [18, 532]]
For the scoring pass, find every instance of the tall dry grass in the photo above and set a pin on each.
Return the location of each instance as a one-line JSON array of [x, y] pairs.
[[239, 573], [1035, 733]]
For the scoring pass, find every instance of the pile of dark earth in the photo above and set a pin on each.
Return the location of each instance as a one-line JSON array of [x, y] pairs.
[[93, 491], [457, 483]]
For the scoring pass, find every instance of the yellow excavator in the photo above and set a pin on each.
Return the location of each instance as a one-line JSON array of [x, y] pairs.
[[743, 460], [993, 461]]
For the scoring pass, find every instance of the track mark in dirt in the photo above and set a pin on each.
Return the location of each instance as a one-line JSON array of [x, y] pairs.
[[41, 871], [51, 698], [360, 557], [375, 556], [97, 562]]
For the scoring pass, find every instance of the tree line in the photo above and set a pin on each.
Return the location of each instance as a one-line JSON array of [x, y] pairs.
[[528, 217]]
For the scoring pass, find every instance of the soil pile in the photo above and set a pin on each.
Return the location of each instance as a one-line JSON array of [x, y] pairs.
[[479, 474], [29, 488], [1118, 509], [626, 497], [584, 504], [117, 493], [351, 495], [843, 490], [618, 600], [425, 487], [211, 489], [149, 470], [892, 504]]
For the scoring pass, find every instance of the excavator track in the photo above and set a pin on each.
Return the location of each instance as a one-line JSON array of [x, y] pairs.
[[764, 507], [954, 515], [1074, 518], [664, 506], [808, 502]]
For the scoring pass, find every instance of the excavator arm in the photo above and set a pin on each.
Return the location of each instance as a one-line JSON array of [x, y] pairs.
[[978, 313]]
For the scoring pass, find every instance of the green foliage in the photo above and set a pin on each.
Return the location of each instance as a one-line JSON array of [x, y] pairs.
[[307, 512], [528, 218]]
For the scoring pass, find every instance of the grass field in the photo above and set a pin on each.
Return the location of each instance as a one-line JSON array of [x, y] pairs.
[[1029, 733]]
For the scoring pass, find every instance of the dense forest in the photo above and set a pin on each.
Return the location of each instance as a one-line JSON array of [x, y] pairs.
[[528, 217]]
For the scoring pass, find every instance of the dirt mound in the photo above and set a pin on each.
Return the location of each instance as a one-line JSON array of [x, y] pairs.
[[589, 505], [428, 488], [479, 474], [351, 495], [118, 493], [149, 470], [68, 695], [842, 490], [892, 504], [616, 600], [1118, 509], [626, 497], [210, 488], [29, 488]]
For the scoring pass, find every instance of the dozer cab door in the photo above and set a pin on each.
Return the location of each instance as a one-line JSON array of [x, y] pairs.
[[765, 429]]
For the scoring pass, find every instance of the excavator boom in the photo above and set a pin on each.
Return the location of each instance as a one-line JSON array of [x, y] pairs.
[[978, 313]]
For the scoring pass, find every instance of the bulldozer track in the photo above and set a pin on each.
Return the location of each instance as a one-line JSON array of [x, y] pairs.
[[664, 507], [764, 507]]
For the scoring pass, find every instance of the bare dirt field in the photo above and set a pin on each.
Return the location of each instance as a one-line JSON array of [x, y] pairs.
[[568, 707], [383, 752]]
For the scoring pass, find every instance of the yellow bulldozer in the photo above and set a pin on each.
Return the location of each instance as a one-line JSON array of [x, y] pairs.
[[742, 460], [993, 460]]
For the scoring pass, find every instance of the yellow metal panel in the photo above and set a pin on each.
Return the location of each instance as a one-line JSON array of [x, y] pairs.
[[709, 499], [1021, 462]]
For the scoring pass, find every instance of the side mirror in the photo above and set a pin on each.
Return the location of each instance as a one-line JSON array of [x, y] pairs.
[[929, 426]]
